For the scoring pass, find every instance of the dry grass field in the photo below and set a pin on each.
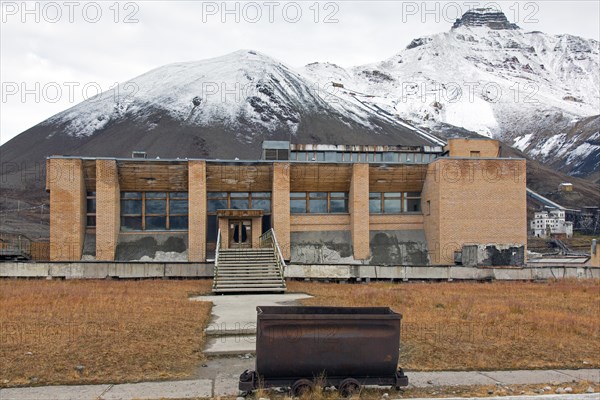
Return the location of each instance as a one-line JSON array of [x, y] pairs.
[[483, 326], [118, 331]]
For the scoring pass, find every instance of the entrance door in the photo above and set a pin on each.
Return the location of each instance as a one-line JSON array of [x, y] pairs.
[[240, 233]]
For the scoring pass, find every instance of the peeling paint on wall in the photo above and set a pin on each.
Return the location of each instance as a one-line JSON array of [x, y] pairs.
[[146, 246], [407, 247]]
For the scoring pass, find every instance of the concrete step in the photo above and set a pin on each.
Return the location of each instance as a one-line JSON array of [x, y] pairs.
[[223, 261], [246, 283], [233, 268], [249, 289]]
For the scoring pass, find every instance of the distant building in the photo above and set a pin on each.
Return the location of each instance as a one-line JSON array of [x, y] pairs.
[[565, 187], [551, 223]]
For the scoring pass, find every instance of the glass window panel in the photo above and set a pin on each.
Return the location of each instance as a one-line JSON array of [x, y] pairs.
[[374, 195], [371, 157], [375, 206], [156, 195], [239, 194], [178, 207], [339, 157], [297, 206], [338, 194], [338, 206], [320, 156], [412, 194], [216, 195], [91, 193], [392, 194], [301, 156], [131, 223], [91, 205], [178, 223], [240, 204], [178, 195], [131, 207], [409, 158], [318, 195], [261, 194], [156, 206], [131, 195], [293, 155], [211, 228], [261, 204], [156, 223], [413, 205], [378, 157], [214, 205], [297, 195], [392, 206], [91, 220], [318, 206]]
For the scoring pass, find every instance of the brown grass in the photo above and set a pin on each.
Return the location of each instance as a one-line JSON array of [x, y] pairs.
[[483, 326], [119, 331]]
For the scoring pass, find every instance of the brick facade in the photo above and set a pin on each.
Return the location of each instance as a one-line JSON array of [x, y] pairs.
[[463, 201], [67, 208], [197, 210], [359, 210], [473, 201], [319, 222], [108, 209], [461, 147], [281, 206]]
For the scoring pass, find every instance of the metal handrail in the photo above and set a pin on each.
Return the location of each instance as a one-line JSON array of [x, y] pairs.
[[217, 255], [269, 239]]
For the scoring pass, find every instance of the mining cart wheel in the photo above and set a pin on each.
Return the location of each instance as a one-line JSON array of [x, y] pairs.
[[302, 387], [349, 387]]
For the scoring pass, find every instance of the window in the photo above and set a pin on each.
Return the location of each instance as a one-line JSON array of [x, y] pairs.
[[90, 209], [475, 154], [154, 211], [394, 202], [375, 203], [238, 201], [318, 202], [412, 202]]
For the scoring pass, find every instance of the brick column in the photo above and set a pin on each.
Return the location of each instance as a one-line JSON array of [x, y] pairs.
[[224, 228], [281, 206], [359, 210], [108, 209], [67, 208], [197, 211]]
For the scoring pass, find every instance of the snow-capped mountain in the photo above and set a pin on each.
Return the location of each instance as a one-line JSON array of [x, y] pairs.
[[532, 90], [537, 92]]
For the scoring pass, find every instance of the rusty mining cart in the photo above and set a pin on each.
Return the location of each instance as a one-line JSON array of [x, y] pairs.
[[345, 347]]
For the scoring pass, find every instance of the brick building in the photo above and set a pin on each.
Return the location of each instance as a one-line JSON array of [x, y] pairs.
[[326, 204]]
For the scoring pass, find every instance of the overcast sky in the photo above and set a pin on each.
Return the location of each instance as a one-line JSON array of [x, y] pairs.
[[51, 51]]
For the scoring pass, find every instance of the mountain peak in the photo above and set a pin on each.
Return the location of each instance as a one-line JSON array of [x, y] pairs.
[[488, 17]]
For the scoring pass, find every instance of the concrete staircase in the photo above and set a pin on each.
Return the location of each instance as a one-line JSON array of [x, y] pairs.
[[248, 270]]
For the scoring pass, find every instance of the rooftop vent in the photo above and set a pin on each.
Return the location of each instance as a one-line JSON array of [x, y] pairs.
[[138, 154]]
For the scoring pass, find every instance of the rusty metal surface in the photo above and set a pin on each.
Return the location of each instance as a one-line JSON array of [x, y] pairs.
[[327, 341]]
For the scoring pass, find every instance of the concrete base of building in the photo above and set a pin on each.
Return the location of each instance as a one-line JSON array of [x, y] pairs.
[[103, 270], [448, 273], [154, 270]]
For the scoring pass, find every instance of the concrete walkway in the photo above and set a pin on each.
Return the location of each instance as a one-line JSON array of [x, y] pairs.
[[233, 325], [225, 373]]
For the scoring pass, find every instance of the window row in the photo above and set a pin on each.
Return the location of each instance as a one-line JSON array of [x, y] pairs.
[[238, 201], [154, 211], [417, 158], [394, 202], [318, 202]]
